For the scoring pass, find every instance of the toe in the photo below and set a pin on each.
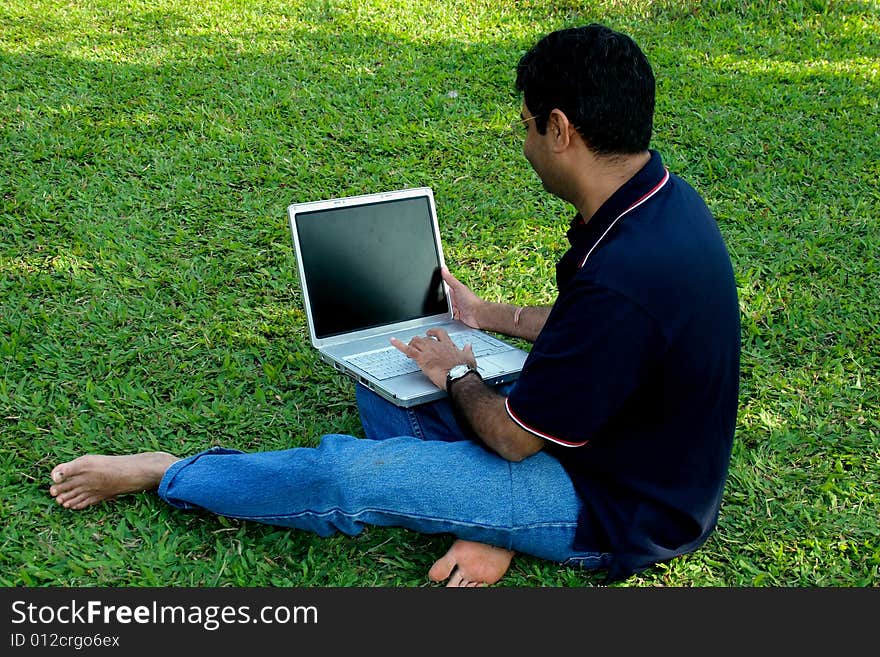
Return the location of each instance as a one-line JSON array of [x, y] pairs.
[[442, 568]]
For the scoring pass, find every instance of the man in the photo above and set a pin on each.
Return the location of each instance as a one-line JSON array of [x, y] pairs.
[[612, 448]]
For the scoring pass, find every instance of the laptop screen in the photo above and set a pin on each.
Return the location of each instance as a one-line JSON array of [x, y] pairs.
[[369, 265]]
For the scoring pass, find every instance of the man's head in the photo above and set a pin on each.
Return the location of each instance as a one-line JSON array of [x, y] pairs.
[[599, 79]]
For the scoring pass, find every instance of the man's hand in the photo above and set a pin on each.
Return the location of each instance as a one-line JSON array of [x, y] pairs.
[[498, 317], [436, 354], [465, 304], [481, 406]]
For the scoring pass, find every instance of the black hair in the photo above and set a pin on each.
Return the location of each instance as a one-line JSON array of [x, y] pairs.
[[599, 79]]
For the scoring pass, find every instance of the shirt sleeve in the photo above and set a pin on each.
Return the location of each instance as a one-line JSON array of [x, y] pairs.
[[597, 349]]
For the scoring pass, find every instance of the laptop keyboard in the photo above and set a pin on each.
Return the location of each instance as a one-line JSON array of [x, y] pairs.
[[388, 362]]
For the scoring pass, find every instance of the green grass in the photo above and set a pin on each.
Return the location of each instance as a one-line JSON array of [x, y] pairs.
[[149, 300]]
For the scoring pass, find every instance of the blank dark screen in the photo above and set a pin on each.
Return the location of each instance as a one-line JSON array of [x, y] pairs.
[[370, 265]]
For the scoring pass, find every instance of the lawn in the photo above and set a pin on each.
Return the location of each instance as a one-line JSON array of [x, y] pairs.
[[148, 289]]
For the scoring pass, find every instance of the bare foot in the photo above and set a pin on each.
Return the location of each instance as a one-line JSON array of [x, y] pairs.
[[92, 478], [468, 563]]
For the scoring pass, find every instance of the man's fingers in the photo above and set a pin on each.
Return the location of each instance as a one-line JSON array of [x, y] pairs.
[[439, 334], [415, 345], [405, 348]]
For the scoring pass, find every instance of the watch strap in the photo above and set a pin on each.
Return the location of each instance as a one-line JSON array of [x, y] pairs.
[[450, 380]]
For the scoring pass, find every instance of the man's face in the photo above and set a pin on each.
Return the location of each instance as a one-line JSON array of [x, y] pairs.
[[536, 148], [531, 131]]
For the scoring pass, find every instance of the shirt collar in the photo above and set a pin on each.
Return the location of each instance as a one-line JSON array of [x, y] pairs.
[[645, 180], [585, 235]]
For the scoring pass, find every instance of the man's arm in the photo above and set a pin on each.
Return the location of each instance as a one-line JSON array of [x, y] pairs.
[[477, 405], [483, 410], [516, 321]]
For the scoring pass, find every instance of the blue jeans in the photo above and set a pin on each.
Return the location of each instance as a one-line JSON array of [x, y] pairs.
[[414, 470]]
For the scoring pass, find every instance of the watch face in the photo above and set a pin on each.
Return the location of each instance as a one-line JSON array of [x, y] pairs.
[[458, 371]]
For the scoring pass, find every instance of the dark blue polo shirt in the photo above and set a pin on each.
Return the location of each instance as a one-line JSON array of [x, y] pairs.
[[634, 378]]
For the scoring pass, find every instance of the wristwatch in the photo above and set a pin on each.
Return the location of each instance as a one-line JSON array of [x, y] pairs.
[[458, 372]]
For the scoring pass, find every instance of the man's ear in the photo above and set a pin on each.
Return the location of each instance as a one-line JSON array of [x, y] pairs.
[[560, 129]]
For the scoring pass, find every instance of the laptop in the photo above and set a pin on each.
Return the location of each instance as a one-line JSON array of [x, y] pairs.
[[369, 267]]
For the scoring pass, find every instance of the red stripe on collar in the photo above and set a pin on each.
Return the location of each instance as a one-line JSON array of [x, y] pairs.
[[632, 207]]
